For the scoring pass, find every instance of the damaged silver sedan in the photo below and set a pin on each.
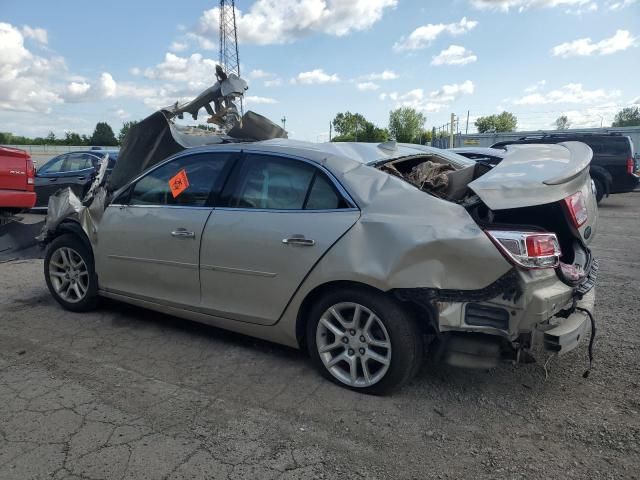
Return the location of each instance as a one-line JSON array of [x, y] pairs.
[[365, 255]]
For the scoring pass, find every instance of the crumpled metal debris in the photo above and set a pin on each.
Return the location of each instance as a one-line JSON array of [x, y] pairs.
[[222, 95], [430, 176], [64, 204]]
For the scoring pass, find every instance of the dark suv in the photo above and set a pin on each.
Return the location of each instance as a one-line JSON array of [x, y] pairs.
[[612, 168]]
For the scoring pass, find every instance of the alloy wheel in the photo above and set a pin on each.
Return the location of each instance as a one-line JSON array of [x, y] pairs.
[[69, 274], [353, 344]]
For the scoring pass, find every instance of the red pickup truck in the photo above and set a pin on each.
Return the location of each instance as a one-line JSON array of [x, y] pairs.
[[16, 181]]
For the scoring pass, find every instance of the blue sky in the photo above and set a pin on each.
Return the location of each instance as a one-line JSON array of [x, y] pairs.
[[66, 65]]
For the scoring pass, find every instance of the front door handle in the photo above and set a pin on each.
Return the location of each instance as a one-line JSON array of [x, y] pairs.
[[183, 233], [298, 240]]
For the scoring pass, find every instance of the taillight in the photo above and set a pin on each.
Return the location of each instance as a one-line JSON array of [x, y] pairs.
[[528, 249], [630, 165], [31, 171], [577, 208]]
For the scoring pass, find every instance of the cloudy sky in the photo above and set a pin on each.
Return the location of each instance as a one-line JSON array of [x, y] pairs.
[[66, 65]]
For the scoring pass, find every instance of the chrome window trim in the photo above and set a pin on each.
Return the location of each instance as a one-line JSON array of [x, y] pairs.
[[290, 210], [120, 205]]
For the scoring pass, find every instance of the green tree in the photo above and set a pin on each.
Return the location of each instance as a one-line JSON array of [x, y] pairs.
[[103, 135], [51, 138], [504, 122], [6, 138], [352, 127], [406, 124], [562, 122], [72, 138], [126, 126], [627, 117]]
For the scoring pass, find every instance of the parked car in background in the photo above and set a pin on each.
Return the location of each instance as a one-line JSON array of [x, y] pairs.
[[16, 181], [358, 253], [613, 168], [491, 156], [74, 169]]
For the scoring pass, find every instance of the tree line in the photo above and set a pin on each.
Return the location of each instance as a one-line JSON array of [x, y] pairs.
[[406, 125], [102, 136]]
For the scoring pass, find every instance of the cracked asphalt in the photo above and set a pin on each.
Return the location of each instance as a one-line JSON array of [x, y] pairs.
[[123, 393]]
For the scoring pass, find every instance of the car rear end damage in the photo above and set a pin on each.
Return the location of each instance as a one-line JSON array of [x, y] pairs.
[[538, 209]]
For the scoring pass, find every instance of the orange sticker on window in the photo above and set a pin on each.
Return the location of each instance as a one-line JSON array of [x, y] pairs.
[[179, 183]]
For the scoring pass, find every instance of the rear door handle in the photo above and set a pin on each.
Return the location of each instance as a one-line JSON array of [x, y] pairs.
[[298, 240], [183, 233]]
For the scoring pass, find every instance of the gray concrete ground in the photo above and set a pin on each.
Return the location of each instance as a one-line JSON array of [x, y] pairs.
[[123, 393]]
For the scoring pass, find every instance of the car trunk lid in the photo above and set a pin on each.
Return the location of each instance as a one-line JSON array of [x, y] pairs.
[[533, 175]]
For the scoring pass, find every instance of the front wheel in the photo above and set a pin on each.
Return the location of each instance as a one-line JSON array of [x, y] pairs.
[[70, 274], [364, 341]]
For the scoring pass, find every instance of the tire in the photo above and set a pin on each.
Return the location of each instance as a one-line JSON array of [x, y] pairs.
[[390, 325], [600, 189], [70, 274]]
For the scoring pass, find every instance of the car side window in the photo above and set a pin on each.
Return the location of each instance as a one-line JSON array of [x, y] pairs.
[[278, 183], [273, 183], [54, 166], [77, 161], [186, 181], [323, 195]]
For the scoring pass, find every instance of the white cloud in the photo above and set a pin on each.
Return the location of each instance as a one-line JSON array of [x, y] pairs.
[[122, 114], [433, 101], [454, 55], [570, 93], [522, 5], [276, 82], [194, 72], [422, 36], [316, 76], [37, 34], [535, 87], [24, 77], [135, 71], [619, 5], [384, 75], [104, 87], [271, 21], [584, 47], [251, 99], [178, 46], [258, 73], [367, 86], [269, 79]]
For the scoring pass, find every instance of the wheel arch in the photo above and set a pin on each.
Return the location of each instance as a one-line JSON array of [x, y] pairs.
[[73, 227], [603, 175], [424, 317]]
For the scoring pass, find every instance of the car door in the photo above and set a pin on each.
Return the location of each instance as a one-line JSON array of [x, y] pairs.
[[149, 238], [47, 179], [77, 172], [277, 218]]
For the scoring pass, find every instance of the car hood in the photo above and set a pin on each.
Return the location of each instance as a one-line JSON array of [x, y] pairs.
[[532, 175]]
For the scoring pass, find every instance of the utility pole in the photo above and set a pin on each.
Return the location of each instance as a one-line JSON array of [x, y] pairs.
[[453, 119], [229, 54], [284, 122], [466, 130]]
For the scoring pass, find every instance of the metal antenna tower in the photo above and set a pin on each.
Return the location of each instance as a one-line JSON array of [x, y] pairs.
[[229, 56]]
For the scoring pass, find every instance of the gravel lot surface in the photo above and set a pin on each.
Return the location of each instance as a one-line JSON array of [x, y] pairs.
[[126, 393]]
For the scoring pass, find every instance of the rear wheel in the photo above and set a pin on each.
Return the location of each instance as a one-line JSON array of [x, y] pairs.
[[70, 274], [600, 189], [364, 341]]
